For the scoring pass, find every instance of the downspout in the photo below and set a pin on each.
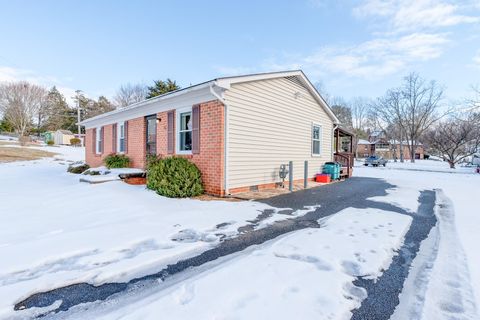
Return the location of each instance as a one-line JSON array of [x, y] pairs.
[[225, 142], [335, 127]]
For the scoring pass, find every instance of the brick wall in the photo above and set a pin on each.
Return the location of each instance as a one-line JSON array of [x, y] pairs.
[[91, 157], [210, 159], [136, 140]]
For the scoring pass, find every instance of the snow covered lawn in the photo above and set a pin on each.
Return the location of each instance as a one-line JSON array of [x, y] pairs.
[[55, 230], [306, 274]]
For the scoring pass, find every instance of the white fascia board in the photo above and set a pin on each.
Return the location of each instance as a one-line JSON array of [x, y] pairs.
[[182, 99], [228, 81]]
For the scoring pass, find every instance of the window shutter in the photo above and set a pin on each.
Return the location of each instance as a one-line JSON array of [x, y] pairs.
[[102, 134], [114, 138], [94, 140], [125, 137], [170, 132], [196, 129]]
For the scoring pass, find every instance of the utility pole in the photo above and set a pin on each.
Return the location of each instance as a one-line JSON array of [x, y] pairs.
[[79, 130]]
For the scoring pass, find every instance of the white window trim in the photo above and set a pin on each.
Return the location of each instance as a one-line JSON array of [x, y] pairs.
[[122, 123], [98, 135], [319, 140], [177, 129]]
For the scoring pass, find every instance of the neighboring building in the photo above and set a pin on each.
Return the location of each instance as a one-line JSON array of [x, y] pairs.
[[62, 137], [378, 144], [48, 136], [237, 130]]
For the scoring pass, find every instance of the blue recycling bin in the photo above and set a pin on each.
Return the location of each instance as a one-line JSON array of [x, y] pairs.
[[333, 169]]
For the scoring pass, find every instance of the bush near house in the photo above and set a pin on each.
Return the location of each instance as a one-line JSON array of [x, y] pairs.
[[75, 141], [117, 161], [50, 142], [78, 168], [174, 177]]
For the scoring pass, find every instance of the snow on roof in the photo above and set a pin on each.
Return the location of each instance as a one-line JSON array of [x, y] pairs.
[[363, 141]]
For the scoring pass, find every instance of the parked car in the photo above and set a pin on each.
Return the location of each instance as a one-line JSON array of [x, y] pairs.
[[375, 161]]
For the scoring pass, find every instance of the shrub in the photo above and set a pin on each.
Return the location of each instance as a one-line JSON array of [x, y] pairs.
[[78, 168], [152, 159], [50, 142], [117, 161], [174, 177], [75, 141]]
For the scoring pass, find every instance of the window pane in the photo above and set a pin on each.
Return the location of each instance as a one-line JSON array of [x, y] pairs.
[[316, 132], [186, 141], [185, 121], [316, 147], [122, 145], [122, 131], [151, 130]]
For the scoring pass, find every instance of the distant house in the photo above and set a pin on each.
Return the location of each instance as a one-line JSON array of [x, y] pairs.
[[62, 137], [378, 144], [237, 130]]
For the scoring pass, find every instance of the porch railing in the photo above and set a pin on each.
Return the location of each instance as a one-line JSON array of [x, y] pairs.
[[346, 160]]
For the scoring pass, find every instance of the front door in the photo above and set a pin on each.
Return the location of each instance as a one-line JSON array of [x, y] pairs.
[[151, 134]]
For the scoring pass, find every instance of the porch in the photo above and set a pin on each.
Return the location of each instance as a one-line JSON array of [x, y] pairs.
[[343, 142]]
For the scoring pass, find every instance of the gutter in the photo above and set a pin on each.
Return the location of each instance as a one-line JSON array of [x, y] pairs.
[[225, 143]]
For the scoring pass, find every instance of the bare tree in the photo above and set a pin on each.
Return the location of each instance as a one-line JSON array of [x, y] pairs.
[[129, 93], [413, 107], [455, 139], [22, 102], [359, 107]]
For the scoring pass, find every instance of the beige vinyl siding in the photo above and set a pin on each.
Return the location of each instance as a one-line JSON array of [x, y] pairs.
[[270, 123]]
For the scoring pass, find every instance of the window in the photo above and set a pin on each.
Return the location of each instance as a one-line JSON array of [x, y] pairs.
[[184, 125], [316, 135], [121, 137], [152, 134], [98, 138]]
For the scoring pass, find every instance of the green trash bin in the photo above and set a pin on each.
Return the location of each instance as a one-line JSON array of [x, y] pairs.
[[333, 169]]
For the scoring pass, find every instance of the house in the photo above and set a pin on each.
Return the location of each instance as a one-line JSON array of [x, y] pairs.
[[378, 144], [238, 130], [62, 137]]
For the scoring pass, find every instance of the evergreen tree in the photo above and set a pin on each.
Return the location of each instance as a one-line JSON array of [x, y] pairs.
[[5, 125], [61, 116], [161, 87], [91, 108]]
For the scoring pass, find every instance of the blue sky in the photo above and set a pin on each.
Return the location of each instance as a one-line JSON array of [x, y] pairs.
[[357, 48]]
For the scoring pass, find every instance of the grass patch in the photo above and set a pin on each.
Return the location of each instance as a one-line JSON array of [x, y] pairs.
[[11, 154]]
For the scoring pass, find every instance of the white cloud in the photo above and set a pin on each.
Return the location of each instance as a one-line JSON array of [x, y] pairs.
[[370, 59], [408, 15], [9, 74]]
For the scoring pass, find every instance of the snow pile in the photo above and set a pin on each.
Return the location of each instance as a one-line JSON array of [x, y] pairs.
[[103, 174], [306, 274]]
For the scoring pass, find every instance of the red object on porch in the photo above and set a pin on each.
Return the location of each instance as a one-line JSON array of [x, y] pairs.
[[323, 178]]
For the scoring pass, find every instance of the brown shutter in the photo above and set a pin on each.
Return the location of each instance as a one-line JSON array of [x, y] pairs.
[[102, 132], [196, 129], [94, 140], [114, 138], [170, 132], [125, 137]]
